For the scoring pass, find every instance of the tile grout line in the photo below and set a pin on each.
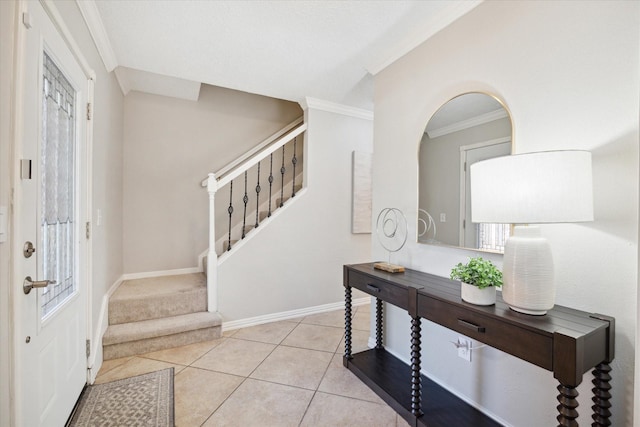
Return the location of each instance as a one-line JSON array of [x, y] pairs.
[[247, 377], [316, 390], [223, 339]]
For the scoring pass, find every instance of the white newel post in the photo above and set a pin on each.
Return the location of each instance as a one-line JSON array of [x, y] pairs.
[[212, 256]]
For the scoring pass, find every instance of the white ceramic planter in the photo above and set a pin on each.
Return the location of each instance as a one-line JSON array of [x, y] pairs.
[[474, 295]]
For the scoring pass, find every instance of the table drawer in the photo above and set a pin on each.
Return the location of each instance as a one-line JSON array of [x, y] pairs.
[[391, 293], [520, 342]]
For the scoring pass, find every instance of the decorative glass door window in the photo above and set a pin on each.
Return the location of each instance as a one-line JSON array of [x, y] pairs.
[[492, 237], [58, 177]]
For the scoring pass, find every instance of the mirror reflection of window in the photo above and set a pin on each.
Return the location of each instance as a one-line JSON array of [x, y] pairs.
[[468, 128]]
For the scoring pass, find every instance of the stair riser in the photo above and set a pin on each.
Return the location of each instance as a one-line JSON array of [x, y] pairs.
[[154, 307], [133, 348]]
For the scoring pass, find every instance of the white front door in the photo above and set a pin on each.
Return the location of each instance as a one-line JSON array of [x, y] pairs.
[[470, 155], [51, 199]]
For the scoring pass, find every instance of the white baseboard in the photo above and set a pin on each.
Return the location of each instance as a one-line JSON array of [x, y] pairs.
[[201, 258], [292, 314], [95, 359], [371, 342], [147, 274]]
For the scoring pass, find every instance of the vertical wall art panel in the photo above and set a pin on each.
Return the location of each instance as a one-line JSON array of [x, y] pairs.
[[361, 198]]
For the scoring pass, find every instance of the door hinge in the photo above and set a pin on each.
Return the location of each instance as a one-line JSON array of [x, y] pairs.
[[465, 166], [464, 223], [88, 348], [88, 229], [89, 111]]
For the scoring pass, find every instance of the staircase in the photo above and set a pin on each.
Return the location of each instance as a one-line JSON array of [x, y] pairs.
[[156, 313]]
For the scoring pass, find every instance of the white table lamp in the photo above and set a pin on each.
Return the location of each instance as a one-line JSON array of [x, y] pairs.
[[532, 188]]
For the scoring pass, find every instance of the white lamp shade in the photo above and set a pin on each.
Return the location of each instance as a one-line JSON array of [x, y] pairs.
[[533, 188]]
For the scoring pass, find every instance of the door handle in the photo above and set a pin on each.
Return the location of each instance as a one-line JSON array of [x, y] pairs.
[[29, 284]]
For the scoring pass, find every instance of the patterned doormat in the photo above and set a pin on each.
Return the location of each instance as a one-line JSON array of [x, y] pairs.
[[145, 400]]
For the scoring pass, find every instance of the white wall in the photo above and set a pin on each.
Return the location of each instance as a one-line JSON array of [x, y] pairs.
[[568, 72], [170, 146], [297, 260]]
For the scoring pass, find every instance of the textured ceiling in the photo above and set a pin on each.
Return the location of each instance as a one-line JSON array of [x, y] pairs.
[[284, 49]]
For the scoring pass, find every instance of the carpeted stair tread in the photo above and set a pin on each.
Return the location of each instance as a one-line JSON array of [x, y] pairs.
[[145, 329], [156, 297], [143, 288]]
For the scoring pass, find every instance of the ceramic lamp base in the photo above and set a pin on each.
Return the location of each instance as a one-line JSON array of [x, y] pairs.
[[528, 285]]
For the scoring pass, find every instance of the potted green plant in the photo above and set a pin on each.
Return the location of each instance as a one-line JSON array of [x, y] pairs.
[[479, 278]]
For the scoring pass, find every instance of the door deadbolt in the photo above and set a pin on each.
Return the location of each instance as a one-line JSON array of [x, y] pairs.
[[28, 249]]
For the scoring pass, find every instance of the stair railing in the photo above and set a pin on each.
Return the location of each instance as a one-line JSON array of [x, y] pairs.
[[274, 145]]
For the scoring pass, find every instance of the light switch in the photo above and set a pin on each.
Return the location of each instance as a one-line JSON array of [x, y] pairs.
[[443, 217], [25, 168]]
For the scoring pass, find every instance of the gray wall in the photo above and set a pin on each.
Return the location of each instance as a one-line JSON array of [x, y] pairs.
[[439, 174], [568, 72], [170, 146]]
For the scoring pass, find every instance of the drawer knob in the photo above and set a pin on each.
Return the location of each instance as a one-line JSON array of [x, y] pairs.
[[373, 288], [471, 326]]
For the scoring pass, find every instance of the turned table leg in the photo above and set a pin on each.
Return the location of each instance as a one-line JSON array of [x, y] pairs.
[[347, 322], [378, 323], [601, 395], [416, 387], [567, 407]]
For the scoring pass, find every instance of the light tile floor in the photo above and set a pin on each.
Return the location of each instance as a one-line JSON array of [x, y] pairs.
[[286, 373]]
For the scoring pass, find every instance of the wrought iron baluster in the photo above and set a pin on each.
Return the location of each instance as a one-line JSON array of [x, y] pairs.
[[294, 160], [270, 181], [282, 171], [230, 210], [258, 195], [245, 199]]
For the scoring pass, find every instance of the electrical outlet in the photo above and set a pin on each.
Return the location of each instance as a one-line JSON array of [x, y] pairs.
[[464, 348]]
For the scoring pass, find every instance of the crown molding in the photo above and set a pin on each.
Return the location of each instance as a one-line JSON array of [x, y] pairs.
[[439, 21], [123, 80], [92, 18], [469, 123], [333, 107]]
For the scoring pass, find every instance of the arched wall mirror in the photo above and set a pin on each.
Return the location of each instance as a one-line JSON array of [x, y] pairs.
[[468, 128]]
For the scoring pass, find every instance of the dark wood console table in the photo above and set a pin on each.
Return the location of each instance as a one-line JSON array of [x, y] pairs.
[[565, 341]]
